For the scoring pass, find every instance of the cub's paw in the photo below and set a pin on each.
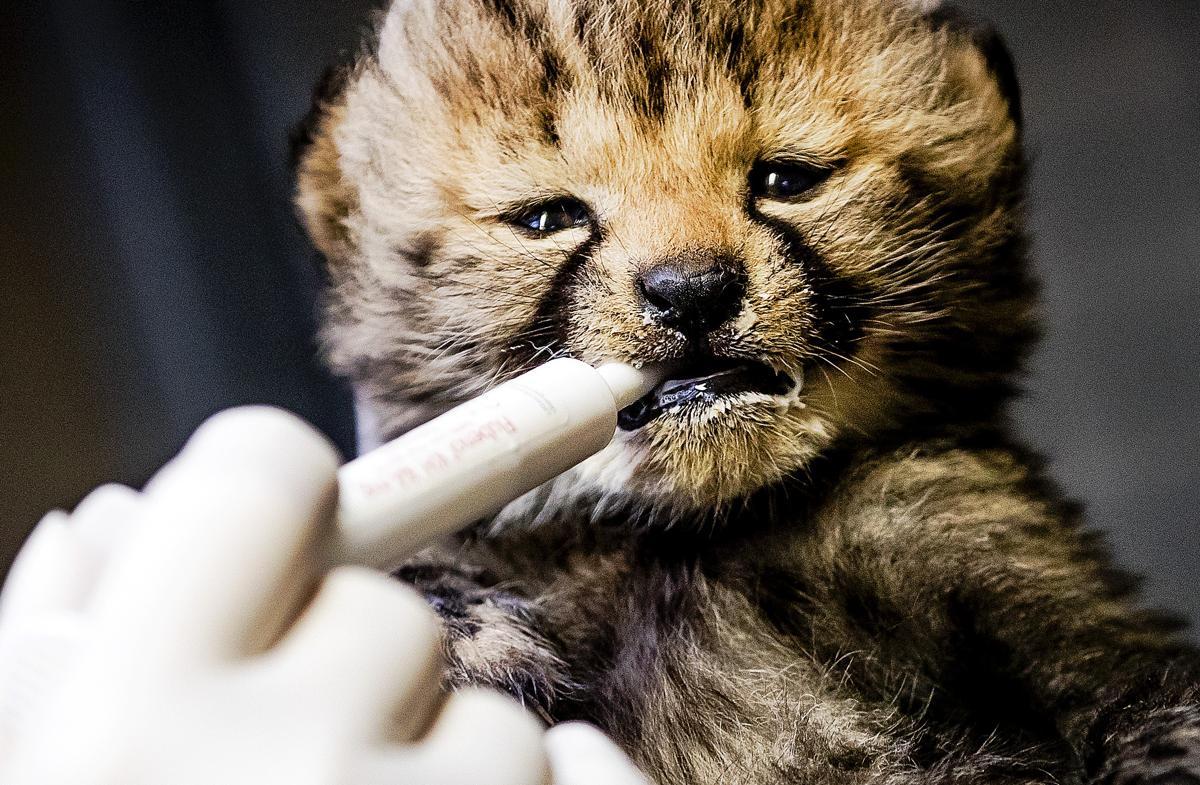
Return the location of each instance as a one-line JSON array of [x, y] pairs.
[[491, 636], [1164, 751]]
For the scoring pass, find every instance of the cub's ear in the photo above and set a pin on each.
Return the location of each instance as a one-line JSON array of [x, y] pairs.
[[322, 196], [986, 40]]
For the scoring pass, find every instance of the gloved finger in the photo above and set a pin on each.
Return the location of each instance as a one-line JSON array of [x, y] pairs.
[[227, 551], [581, 754], [105, 521], [372, 646], [57, 569], [43, 609], [43, 579], [480, 737]]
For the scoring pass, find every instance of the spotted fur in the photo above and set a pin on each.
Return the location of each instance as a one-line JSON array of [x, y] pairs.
[[864, 581]]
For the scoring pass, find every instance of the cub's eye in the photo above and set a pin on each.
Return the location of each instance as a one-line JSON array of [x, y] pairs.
[[781, 180], [553, 216]]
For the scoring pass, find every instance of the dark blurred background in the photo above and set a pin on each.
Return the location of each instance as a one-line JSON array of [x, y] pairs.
[[153, 271]]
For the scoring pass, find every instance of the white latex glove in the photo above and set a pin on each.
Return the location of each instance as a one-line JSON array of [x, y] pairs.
[[174, 637], [582, 755]]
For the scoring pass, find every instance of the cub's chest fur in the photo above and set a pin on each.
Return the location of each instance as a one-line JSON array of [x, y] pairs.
[[824, 642]]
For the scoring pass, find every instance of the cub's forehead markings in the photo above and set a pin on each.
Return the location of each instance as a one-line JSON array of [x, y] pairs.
[[647, 71]]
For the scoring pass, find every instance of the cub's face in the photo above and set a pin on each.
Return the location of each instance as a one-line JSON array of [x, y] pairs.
[[809, 209]]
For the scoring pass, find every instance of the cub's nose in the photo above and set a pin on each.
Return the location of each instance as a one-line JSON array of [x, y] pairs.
[[690, 299]]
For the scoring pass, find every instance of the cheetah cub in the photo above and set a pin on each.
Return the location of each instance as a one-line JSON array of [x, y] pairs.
[[815, 553]]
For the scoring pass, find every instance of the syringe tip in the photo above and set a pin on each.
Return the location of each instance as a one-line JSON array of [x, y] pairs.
[[627, 383]]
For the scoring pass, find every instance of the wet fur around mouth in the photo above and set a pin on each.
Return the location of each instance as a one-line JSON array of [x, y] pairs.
[[701, 382]]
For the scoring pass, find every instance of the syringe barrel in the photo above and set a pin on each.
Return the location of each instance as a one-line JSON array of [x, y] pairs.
[[471, 461]]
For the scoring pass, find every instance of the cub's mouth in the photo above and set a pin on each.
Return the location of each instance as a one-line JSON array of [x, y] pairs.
[[701, 383]]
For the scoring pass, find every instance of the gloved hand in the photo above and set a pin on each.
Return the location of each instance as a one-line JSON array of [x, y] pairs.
[[189, 634]]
